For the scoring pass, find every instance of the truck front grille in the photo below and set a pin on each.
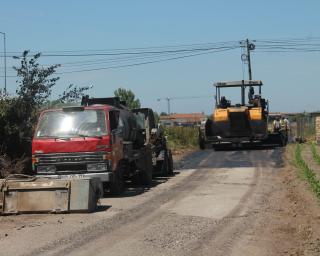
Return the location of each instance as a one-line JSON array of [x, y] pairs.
[[70, 158]]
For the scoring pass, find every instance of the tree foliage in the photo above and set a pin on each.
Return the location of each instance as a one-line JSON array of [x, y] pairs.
[[34, 88], [129, 97], [72, 94], [36, 82]]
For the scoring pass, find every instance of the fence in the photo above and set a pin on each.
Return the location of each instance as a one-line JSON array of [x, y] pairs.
[[303, 126]]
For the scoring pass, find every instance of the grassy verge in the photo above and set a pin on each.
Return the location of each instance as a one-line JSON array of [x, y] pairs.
[[181, 137], [307, 173], [315, 154]]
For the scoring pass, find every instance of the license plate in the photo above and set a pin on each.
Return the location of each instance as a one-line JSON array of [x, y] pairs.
[[72, 176]]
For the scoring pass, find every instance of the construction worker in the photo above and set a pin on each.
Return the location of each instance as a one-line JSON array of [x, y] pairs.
[[223, 102], [250, 94], [276, 124], [285, 126]]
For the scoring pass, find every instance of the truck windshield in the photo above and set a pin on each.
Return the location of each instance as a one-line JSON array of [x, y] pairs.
[[57, 124]]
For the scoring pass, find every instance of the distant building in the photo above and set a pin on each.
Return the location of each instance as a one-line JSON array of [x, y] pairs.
[[191, 119]]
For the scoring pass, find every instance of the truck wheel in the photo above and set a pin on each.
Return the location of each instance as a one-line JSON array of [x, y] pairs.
[[202, 143], [117, 185], [165, 165], [170, 163], [146, 174]]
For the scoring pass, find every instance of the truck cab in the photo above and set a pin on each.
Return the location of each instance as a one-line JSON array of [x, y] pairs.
[[96, 139], [76, 141]]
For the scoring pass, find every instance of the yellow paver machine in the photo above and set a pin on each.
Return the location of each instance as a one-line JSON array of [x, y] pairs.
[[239, 124]]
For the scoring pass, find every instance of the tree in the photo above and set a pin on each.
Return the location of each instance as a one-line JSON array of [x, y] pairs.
[[127, 96], [72, 94], [34, 88], [35, 81], [163, 114]]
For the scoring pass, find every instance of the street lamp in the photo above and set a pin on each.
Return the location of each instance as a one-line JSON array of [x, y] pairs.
[[5, 62]]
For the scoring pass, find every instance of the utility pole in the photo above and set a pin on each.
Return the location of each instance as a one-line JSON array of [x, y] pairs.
[[246, 57], [249, 59], [168, 102], [5, 62]]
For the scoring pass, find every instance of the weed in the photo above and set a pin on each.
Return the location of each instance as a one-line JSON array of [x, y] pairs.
[[307, 173], [315, 154], [181, 137]]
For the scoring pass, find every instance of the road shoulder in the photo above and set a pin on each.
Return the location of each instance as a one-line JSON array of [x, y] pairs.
[[291, 220]]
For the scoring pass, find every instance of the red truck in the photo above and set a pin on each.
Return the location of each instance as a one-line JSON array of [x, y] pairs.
[[101, 138]]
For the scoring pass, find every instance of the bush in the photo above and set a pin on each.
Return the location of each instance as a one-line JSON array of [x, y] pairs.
[[181, 137], [9, 166]]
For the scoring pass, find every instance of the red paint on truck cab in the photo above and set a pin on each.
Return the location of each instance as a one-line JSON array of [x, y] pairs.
[[76, 140]]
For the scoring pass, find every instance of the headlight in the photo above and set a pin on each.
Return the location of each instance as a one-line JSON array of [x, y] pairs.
[[97, 167], [46, 169]]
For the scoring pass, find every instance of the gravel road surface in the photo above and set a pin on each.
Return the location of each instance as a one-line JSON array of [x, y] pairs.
[[212, 206]]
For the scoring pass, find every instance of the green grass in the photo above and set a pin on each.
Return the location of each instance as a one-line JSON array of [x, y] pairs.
[[315, 154], [307, 173], [181, 137]]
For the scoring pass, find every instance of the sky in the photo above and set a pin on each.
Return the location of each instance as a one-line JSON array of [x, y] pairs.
[[290, 79]]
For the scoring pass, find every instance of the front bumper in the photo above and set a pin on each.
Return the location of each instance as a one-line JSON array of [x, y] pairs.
[[104, 177]]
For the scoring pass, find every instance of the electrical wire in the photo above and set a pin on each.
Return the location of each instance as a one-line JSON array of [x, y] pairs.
[[129, 57], [130, 51], [143, 63]]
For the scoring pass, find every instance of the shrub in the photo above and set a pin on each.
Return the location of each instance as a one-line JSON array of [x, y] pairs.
[[181, 137]]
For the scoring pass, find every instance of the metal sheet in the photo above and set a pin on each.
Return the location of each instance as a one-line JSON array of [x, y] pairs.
[[84, 194], [49, 195], [34, 196]]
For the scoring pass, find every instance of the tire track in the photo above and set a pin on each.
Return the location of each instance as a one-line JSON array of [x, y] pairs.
[[139, 216], [224, 235], [148, 224]]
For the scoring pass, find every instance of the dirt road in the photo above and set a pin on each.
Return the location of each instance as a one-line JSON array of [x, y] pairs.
[[218, 203]]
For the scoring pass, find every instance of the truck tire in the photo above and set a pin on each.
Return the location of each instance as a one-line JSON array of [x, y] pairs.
[[146, 173], [170, 163], [117, 185], [202, 144], [165, 165]]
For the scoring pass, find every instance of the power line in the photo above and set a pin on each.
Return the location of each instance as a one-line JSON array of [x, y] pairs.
[[129, 57], [143, 63], [131, 51]]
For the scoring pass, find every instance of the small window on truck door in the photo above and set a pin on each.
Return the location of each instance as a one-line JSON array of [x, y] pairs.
[[114, 119]]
